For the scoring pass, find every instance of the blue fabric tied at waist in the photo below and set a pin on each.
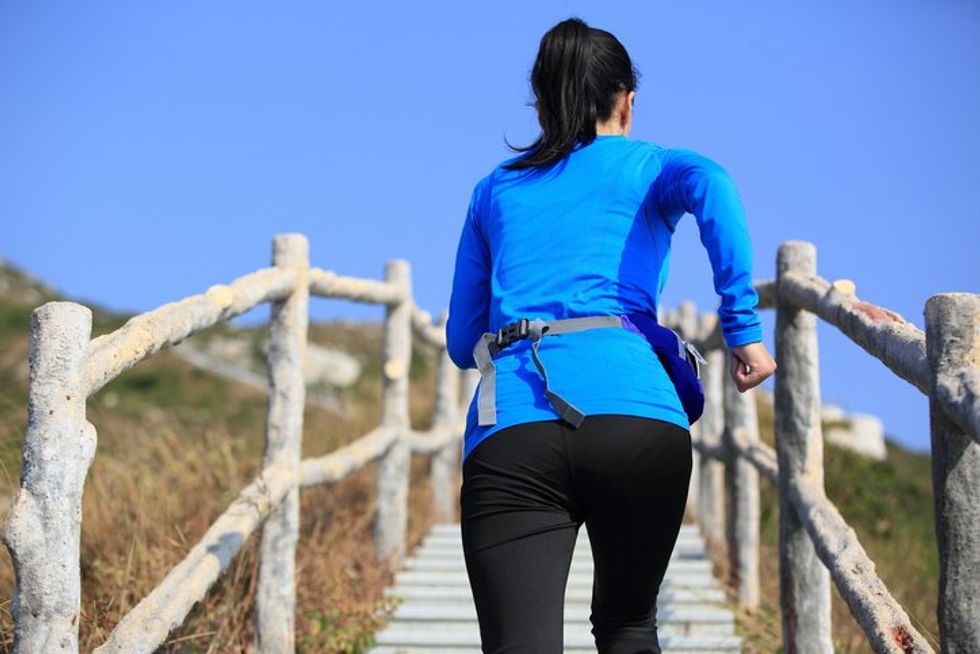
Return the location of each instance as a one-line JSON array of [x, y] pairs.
[[680, 359]]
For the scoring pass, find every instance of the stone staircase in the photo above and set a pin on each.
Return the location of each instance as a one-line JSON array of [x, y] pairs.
[[437, 615]]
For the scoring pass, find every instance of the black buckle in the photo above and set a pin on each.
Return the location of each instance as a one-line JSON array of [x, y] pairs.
[[512, 332]]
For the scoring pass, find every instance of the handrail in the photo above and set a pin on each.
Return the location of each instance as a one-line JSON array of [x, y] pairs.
[[148, 333], [68, 366], [816, 544]]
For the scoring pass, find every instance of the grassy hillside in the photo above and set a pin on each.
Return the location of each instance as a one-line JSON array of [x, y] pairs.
[[176, 444], [889, 505]]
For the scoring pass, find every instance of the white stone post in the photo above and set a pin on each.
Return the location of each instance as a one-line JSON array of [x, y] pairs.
[[275, 599], [804, 581], [953, 349], [445, 462], [391, 520], [742, 493], [43, 526], [711, 476], [687, 323]]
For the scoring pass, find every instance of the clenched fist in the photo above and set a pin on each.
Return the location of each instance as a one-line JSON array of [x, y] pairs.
[[751, 364]]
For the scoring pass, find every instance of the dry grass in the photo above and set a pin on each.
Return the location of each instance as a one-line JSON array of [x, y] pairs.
[[870, 496], [175, 447]]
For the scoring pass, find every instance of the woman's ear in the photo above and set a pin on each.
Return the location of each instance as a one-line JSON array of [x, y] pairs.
[[627, 111]]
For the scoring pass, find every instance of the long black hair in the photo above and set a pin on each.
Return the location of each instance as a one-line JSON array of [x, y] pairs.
[[576, 76]]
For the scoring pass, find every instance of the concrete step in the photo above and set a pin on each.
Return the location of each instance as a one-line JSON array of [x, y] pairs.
[[392, 641], [667, 596], [578, 564], [580, 580], [687, 528], [437, 615], [688, 546], [702, 619], [670, 645]]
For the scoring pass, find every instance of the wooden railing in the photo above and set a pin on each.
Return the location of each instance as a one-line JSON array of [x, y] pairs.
[[815, 543], [42, 527]]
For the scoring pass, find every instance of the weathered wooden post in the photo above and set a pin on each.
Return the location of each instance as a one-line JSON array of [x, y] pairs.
[[391, 519], [686, 322], [275, 597], [42, 529], [43, 526], [953, 350], [804, 582], [693, 501], [711, 475], [742, 493], [445, 461], [471, 379]]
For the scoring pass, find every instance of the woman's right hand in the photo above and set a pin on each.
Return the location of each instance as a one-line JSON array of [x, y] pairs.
[[751, 364]]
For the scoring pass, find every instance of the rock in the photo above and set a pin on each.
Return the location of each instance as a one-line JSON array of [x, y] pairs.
[[233, 349], [860, 432], [831, 412], [330, 366]]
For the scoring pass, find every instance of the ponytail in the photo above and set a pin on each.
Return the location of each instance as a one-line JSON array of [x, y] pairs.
[[576, 76]]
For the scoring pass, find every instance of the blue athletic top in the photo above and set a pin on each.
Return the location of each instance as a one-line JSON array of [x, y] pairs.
[[591, 235]]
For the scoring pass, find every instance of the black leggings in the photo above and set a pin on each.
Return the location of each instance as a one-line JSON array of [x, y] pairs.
[[526, 491]]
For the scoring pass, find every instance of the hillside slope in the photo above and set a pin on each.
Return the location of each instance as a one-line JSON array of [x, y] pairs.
[[176, 444]]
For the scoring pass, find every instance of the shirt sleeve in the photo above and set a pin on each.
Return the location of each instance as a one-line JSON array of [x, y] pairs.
[[691, 183], [469, 301]]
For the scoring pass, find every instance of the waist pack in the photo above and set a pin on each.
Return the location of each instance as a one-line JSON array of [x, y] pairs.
[[680, 359]]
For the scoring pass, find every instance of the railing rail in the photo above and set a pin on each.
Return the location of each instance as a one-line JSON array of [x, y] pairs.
[[67, 365], [815, 542], [816, 545]]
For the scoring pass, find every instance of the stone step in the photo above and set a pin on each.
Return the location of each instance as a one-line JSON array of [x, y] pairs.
[[671, 645], [454, 527], [460, 578], [691, 549], [687, 545], [436, 614], [396, 641], [578, 564], [702, 618], [667, 596]]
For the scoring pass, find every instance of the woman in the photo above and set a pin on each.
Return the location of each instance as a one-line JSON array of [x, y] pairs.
[[580, 225]]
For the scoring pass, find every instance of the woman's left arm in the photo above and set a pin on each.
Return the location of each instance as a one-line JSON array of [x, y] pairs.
[[469, 302], [691, 183]]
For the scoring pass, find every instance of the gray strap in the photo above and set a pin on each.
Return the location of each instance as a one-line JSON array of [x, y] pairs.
[[564, 408], [566, 325], [487, 394], [486, 400]]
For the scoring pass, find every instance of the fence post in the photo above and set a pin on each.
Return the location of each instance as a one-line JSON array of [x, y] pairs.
[[42, 529], [712, 422], [391, 519], [804, 582], [742, 493], [445, 461], [275, 595], [953, 350], [687, 324]]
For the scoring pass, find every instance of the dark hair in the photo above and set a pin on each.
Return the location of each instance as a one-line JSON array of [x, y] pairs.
[[576, 76]]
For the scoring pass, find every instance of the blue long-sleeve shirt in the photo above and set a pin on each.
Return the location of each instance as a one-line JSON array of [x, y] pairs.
[[591, 235]]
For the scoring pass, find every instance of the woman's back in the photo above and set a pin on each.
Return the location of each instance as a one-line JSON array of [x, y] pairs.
[[590, 235], [577, 239]]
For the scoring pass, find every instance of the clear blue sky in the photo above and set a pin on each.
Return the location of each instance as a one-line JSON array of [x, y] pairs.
[[149, 150]]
